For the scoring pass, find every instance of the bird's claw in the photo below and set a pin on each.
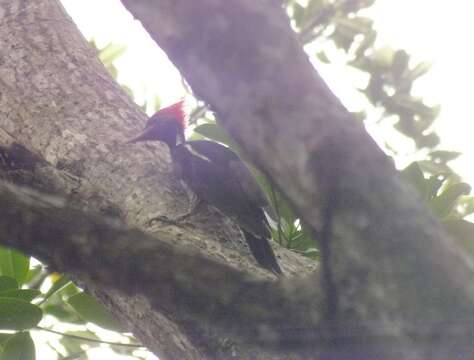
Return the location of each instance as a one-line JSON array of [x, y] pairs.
[[176, 221]]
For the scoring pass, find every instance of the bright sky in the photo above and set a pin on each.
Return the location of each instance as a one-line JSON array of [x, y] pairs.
[[435, 31], [439, 32]]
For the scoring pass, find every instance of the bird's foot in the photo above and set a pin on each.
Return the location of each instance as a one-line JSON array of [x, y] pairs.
[[176, 221], [163, 219]]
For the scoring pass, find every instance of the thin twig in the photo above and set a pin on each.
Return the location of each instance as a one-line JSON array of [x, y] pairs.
[[87, 339]]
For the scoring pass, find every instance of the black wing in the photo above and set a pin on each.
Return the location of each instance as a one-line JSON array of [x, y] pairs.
[[219, 177], [225, 157]]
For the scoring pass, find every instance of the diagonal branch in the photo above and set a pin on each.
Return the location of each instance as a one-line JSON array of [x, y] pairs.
[[107, 252]]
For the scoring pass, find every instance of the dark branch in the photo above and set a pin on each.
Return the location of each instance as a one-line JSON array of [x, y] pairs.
[[197, 291]]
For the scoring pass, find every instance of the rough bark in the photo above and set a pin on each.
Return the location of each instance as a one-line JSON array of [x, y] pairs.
[[389, 270], [90, 246], [58, 101], [388, 266]]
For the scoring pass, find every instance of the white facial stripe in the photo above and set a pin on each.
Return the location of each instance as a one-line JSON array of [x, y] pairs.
[[195, 153]]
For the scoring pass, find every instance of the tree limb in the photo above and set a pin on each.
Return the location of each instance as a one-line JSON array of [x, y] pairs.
[[91, 247]]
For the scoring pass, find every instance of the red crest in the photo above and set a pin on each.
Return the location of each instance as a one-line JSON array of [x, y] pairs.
[[176, 112]]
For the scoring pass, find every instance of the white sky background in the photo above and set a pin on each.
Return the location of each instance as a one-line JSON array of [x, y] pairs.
[[436, 31]]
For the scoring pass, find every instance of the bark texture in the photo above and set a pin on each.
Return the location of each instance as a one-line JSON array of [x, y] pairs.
[[393, 285], [90, 246], [58, 101]]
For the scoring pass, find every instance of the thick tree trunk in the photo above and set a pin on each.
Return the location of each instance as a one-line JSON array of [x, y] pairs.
[[58, 101], [388, 266], [389, 271]]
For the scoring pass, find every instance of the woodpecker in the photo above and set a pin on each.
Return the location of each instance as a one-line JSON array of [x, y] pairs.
[[217, 176]]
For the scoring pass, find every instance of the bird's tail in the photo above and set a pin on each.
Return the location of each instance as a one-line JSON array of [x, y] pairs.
[[263, 253]]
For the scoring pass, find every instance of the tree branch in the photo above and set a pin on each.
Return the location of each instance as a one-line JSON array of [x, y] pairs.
[[88, 246]]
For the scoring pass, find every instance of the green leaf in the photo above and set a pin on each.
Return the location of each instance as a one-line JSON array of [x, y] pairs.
[[446, 201], [321, 55], [462, 232], [19, 347], [156, 103], [434, 168], [467, 206], [433, 184], [111, 53], [91, 310], [59, 284], [8, 283], [14, 264], [383, 57], [33, 273], [63, 313], [16, 314], [279, 205], [4, 337], [214, 132], [400, 63], [302, 241], [419, 70], [413, 174], [444, 156], [23, 294]]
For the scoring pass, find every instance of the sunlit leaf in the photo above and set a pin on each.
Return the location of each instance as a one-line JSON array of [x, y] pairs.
[[33, 273], [91, 310], [432, 186], [444, 156], [419, 70], [383, 57], [58, 284], [111, 53], [321, 55], [214, 132], [63, 313]]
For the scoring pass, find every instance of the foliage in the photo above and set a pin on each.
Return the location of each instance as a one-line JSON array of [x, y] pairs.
[[29, 297], [448, 200]]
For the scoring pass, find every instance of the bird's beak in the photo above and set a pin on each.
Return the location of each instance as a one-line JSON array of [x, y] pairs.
[[145, 135]]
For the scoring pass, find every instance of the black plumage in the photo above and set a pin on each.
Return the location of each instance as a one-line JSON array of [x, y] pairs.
[[217, 176]]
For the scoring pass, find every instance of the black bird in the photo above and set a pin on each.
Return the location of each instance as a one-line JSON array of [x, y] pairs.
[[218, 177]]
